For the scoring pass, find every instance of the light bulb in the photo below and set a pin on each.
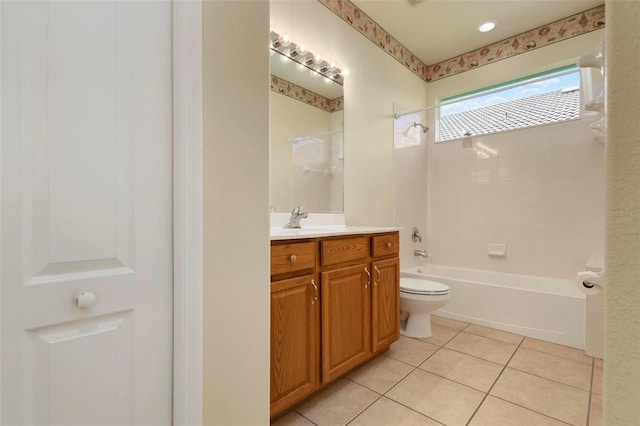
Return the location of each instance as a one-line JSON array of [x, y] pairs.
[[345, 72], [302, 50], [332, 66], [317, 58], [285, 59], [284, 39]]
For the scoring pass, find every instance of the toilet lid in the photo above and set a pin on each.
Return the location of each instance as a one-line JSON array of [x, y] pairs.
[[418, 286]]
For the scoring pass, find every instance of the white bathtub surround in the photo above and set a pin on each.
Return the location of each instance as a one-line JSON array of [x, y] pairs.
[[410, 194], [539, 190], [550, 309]]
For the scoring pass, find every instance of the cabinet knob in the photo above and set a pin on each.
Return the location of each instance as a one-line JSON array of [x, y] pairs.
[[293, 258], [389, 245], [85, 300]]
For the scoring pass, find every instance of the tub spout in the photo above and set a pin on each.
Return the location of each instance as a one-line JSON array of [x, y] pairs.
[[422, 253]]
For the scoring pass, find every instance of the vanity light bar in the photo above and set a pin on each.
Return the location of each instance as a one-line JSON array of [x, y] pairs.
[[299, 54]]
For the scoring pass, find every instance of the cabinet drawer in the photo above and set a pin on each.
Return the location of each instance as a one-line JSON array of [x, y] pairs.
[[292, 257], [344, 250], [385, 245]]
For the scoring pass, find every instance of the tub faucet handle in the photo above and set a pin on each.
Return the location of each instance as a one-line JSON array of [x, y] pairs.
[[416, 237]]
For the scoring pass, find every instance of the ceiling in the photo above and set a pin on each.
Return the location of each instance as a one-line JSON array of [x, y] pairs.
[[436, 30]]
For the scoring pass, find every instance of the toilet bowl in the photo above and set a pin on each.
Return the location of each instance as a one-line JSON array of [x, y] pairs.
[[418, 298]]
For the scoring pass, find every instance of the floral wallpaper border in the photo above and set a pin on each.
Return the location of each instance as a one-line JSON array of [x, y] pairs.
[[306, 96], [572, 26], [359, 20], [578, 24]]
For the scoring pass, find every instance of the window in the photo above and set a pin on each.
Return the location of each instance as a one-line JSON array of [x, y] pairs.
[[538, 99]]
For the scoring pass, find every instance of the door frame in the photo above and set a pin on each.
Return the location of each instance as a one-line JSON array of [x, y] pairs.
[[187, 213]]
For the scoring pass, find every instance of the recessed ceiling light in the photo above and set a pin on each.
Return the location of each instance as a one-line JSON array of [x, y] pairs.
[[487, 26]]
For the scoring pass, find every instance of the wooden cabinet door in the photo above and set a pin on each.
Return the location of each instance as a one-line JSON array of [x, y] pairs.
[[346, 319], [294, 341], [385, 305]]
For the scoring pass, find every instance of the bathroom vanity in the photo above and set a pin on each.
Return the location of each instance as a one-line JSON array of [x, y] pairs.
[[334, 305]]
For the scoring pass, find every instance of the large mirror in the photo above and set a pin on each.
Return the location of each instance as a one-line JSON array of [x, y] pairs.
[[307, 131]]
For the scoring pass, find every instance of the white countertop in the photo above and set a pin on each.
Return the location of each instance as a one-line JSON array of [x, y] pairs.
[[325, 231], [320, 225]]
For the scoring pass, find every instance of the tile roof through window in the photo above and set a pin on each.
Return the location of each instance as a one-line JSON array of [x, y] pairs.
[[545, 108]]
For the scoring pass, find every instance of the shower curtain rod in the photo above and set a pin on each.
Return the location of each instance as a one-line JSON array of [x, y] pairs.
[[331, 132], [489, 92]]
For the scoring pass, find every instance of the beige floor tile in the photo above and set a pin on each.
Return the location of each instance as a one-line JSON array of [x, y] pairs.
[[381, 373], [558, 350], [599, 362], [595, 413], [448, 322], [440, 335], [440, 399], [482, 347], [553, 367], [292, 419], [492, 333], [597, 380], [338, 404], [471, 371], [385, 412], [545, 396], [495, 412], [411, 351]]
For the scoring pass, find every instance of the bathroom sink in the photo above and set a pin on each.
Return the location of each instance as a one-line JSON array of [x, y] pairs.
[[323, 231]]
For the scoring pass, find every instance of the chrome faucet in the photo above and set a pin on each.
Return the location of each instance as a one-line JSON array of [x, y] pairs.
[[422, 253], [296, 215]]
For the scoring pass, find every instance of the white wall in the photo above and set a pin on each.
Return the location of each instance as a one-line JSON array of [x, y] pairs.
[[236, 213], [375, 81], [622, 298], [538, 190]]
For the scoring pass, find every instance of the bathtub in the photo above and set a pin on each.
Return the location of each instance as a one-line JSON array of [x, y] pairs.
[[550, 309]]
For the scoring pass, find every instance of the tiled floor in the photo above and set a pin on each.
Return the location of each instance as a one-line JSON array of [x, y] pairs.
[[464, 374]]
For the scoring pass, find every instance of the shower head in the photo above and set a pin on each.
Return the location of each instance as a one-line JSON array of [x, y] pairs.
[[415, 124]]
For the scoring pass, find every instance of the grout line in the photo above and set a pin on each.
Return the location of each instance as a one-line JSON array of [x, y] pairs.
[[547, 378], [365, 408], [413, 368], [493, 384], [306, 418], [561, 356], [414, 410], [593, 371], [591, 361], [474, 356], [529, 409]]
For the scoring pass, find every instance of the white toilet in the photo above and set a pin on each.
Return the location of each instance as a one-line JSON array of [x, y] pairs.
[[418, 298]]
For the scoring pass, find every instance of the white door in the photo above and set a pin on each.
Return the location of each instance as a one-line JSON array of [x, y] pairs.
[[86, 201]]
